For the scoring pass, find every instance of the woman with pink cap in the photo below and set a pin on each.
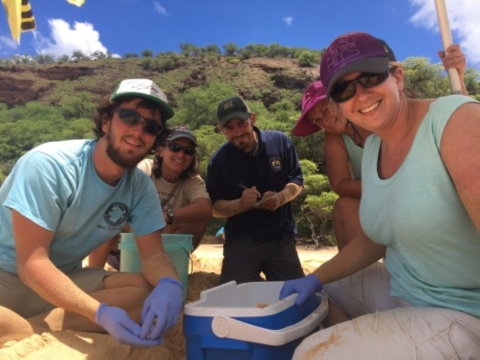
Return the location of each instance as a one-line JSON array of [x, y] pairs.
[[343, 154]]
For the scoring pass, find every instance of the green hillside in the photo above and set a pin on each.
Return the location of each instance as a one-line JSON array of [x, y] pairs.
[[47, 100]]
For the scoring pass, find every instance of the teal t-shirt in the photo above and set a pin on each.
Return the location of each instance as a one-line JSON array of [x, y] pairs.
[[433, 247], [56, 186]]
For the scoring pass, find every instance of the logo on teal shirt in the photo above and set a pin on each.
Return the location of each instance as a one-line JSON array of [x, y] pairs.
[[116, 214]]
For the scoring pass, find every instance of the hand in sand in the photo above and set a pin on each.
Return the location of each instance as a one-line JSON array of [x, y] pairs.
[[162, 308], [121, 327]]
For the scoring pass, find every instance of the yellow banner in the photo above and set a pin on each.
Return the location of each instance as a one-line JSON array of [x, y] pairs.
[[76, 2]]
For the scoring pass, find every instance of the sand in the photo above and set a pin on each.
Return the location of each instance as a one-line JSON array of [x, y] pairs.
[[204, 274]]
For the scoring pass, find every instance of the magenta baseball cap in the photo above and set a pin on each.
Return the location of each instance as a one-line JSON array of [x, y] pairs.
[[353, 52], [315, 93]]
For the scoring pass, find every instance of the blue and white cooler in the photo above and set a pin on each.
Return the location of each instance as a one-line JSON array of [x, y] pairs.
[[247, 321]]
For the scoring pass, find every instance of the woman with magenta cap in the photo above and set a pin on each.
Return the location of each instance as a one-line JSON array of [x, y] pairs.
[[344, 143], [343, 154], [419, 211]]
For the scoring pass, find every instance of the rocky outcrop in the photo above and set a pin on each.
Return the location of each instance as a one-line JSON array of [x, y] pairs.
[[16, 91], [55, 72], [19, 85], [255, 78], [271, 66], [65, 72]]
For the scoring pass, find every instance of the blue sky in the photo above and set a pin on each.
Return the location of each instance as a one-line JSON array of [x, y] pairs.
[[122, 26]]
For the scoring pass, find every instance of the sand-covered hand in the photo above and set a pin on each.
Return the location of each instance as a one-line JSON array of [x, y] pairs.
[[162, 308], [121, 327]]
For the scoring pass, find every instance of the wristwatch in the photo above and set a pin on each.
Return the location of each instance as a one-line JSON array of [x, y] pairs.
[[170, 216]]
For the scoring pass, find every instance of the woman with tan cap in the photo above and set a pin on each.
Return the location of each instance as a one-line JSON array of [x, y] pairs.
[[344, 143], [184, 199], [419, 211]]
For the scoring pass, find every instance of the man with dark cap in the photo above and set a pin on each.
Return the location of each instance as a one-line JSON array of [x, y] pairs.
[[252, 180]]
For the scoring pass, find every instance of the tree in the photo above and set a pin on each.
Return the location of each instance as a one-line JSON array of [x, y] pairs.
[[130, 55], [208, 140], [165, 64], [147, 63], [188, 49], [198, 105], [45, 59], [471, 82], [63, 59], [308, 167], [78, 106], [23, 59], [317, 207], [147, 53], [274, 50], [212, 50], [307, 59], [96, 55], [425, 79], [230, 49], [261, 50], [317, 211], [79, 55]]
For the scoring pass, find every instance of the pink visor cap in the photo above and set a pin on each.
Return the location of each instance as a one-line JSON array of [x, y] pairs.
[[315, 93]]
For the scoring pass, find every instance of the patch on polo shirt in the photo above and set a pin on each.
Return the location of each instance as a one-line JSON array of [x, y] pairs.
[[276, 164]]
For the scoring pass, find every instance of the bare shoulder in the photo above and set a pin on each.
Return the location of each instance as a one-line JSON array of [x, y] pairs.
[[333, 139], [470, 111], [464, 121], [461, 136]]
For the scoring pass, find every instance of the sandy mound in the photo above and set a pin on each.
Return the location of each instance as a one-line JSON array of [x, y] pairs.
[[205, 270]]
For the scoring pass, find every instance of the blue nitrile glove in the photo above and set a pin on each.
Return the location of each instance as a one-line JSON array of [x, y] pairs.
[[305, 287], [121, 327], [162, 308]]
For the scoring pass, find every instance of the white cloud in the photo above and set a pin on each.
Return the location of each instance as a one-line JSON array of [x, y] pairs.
[[463, 19], [7, 43], [65, 39], [159, 8], [288, 20]]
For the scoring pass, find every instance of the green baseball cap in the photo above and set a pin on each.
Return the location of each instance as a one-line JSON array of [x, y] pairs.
[[144, 88], [232, 108]]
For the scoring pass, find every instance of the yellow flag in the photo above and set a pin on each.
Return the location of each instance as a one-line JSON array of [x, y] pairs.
[[20, 17], [28, 21], [76, 2]]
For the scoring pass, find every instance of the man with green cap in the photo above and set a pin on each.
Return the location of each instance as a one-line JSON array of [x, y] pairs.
[[64, 199]]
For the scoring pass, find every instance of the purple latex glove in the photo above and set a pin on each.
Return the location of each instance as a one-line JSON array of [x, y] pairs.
[[305, 287], [162, 308], [121, 327]]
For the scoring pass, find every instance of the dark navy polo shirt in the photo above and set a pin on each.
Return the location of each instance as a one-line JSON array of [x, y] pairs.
[[275, 165]]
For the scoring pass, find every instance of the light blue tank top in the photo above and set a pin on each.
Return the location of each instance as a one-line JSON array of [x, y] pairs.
[[433, 247], [355, 154]]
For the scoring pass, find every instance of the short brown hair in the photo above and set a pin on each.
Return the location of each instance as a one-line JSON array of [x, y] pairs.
[[107, 107]]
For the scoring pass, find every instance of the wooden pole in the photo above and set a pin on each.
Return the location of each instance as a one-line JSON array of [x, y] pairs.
[[447, 41]]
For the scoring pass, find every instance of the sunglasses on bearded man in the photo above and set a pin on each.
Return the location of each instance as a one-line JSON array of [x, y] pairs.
[[132, 119], [346, 90]]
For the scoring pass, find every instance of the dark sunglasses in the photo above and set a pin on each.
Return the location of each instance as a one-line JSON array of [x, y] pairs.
[[132, 118], [346, 90], [187, 150]]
